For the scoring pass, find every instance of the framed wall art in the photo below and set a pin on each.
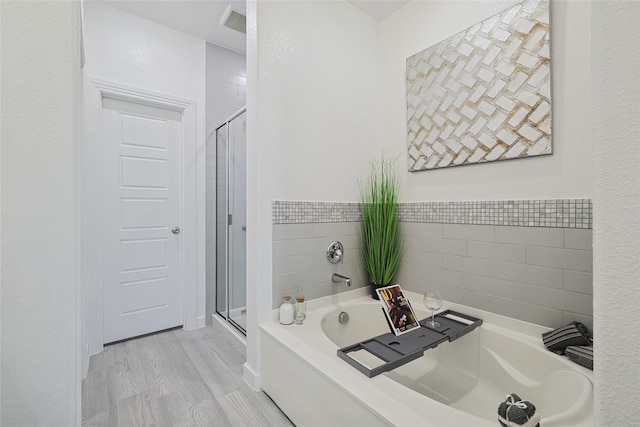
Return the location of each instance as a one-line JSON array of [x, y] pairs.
[[483, 94]]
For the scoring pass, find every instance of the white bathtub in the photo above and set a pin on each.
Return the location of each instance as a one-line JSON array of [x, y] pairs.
[[459, 383]]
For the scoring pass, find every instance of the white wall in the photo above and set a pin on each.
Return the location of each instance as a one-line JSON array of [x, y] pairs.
[[128, 49], [40, 90], [616, 203], [259, 189], [319, 101], [312, 112], [565, 174], [123, 48], [336, 85]]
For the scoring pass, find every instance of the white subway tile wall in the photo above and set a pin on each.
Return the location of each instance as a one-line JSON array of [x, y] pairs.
[[299, 259], [537, 274], [226, 84], [525, 272]]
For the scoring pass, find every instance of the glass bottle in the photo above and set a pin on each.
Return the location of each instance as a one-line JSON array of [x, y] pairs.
[[304, 307], [301, 310], [286, 311]]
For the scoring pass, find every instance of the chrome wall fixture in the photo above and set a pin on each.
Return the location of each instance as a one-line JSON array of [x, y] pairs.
[[335, 252]]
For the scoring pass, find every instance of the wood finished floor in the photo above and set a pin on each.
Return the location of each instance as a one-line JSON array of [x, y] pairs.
[[175, 378]]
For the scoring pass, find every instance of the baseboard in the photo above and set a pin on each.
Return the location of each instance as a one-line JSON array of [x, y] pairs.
[[201, 322], [92, 348], [253, 380]]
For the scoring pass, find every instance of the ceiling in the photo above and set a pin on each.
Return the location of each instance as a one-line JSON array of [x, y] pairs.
[[198, 18], [378, 9], [201, 18]]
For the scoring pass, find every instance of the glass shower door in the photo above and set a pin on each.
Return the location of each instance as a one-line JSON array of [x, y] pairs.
[[237, 224], [231, 221]]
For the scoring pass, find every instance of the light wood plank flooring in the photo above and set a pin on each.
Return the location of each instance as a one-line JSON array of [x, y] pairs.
[[175, 378]]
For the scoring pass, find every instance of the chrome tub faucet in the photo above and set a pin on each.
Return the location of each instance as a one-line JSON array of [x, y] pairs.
[[339, 278]]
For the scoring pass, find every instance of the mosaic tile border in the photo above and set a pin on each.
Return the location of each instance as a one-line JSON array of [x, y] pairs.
[[560, 213], [296, 212], [565, 213]]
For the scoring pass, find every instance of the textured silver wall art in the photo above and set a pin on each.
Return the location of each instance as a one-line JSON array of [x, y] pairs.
[[483, 94]]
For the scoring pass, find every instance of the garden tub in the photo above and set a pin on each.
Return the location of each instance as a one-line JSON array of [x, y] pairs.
[[459, 383]]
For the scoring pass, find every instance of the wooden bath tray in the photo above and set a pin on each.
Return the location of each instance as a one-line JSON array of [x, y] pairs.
[[388, 351]]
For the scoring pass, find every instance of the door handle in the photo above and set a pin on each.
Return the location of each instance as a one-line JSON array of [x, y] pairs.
[[175, 230]]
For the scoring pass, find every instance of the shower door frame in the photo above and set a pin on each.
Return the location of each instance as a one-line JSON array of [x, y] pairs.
[[226, 316]]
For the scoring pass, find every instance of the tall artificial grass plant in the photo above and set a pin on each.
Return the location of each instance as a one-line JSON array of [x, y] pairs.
[[381, 245]]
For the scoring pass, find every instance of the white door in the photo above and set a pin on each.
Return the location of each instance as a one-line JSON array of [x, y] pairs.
[[142, 205]]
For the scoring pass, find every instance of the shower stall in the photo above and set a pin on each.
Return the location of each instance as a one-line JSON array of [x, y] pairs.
[[230, 214]]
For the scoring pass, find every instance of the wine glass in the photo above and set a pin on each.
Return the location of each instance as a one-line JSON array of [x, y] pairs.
[[433, 302]]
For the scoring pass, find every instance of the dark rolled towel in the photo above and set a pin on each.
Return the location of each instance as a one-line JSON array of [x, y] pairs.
[[581, 355], [515, 412], [575, 333]]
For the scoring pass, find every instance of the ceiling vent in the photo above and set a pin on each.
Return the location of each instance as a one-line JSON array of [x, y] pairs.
[[234, 19]]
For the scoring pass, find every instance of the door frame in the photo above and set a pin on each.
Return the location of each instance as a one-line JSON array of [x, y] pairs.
[[90, 191]]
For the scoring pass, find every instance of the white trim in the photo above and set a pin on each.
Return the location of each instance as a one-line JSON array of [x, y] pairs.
[[200, 153], [252, 379], [91, 217], [259, 216], [201, 322], [91, 242]]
